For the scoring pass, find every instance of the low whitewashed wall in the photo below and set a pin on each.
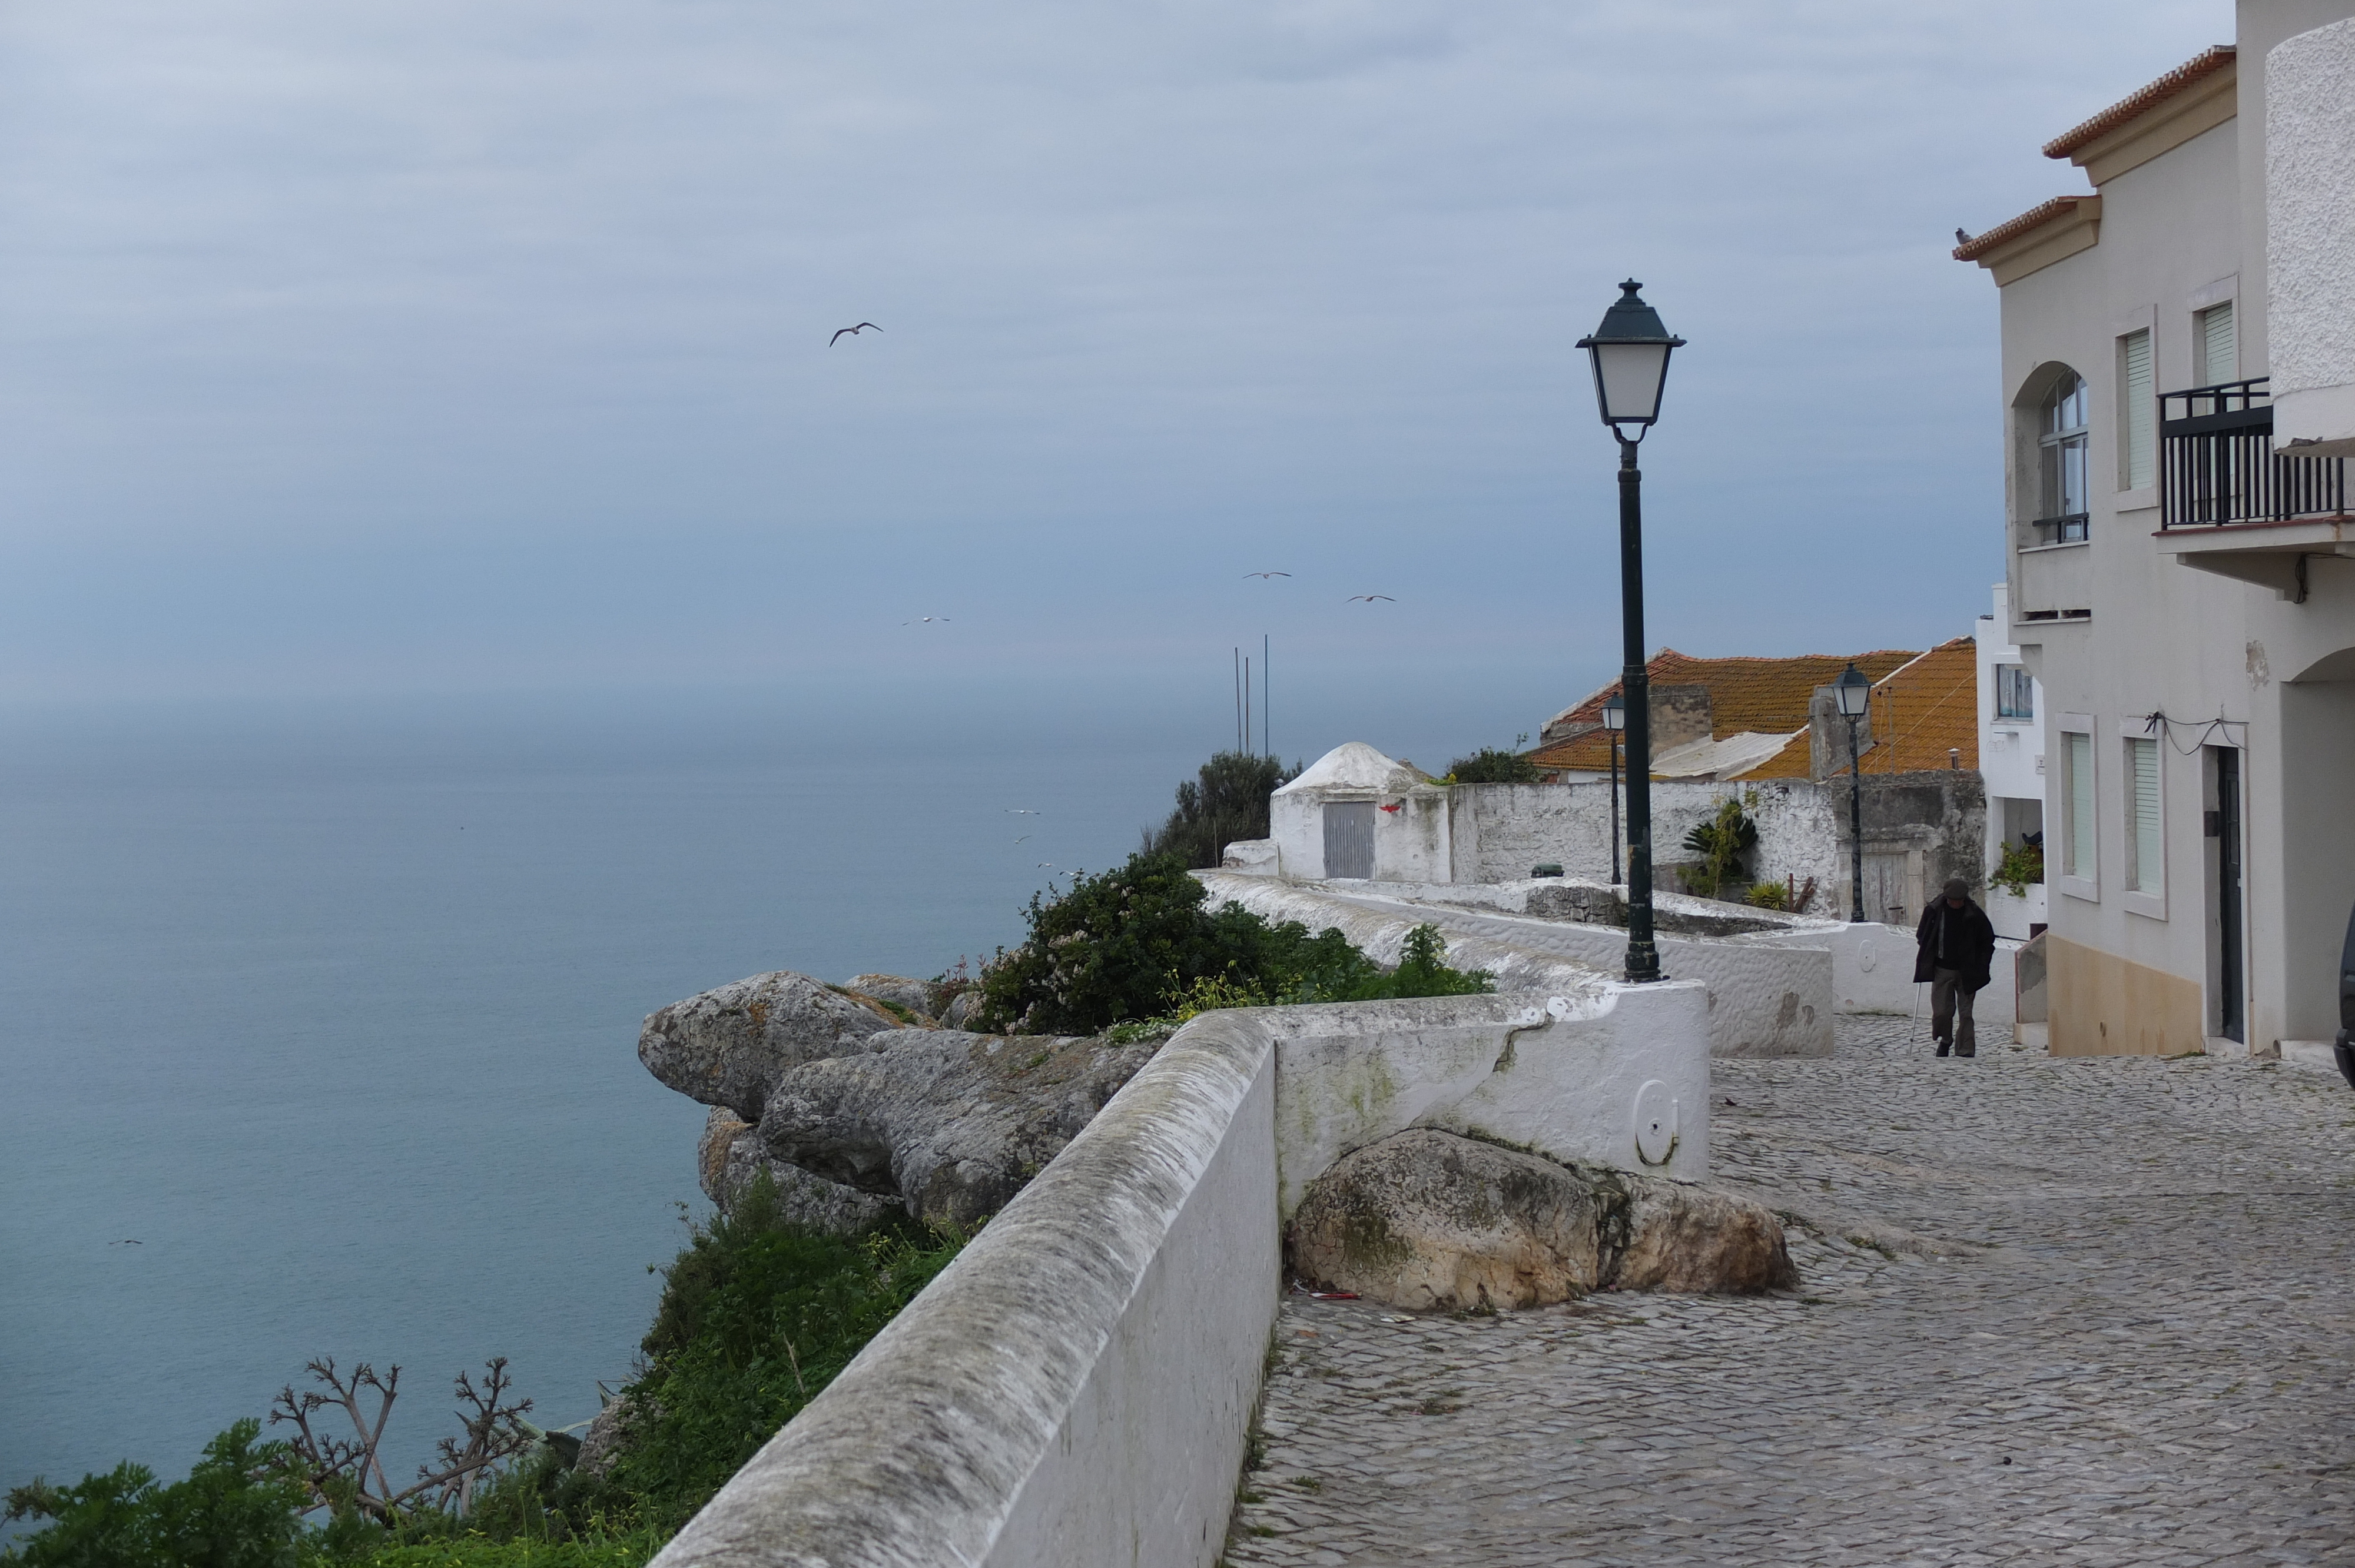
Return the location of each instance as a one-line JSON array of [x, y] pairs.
[[1510, 828], [1872, 970], [1769, 995], [1075, 1390]]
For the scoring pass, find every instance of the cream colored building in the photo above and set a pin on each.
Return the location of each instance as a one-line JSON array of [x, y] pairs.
[[2179, 388]]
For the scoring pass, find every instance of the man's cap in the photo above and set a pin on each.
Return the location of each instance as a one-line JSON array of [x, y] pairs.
[[1958, 888]]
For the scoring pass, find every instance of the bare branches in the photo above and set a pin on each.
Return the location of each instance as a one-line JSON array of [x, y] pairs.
[[348, 1472]]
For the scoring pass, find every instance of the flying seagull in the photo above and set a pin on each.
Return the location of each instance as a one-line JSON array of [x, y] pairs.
[[127, 1241], [927, 620], [1267, 573], [1025, 838], [1020, 811], [1370, 598], [850, 332]]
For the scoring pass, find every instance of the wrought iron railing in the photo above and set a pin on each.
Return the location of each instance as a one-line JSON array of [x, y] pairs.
[[2217, 464]]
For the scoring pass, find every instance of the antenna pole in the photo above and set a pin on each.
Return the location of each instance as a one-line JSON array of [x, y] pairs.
[[1265, 749]]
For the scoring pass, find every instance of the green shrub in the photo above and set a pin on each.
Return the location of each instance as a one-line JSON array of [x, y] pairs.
[[1229, 801], [757, 1317], [1135, 943], [1720, 843], [239, 1507], [1493, 765], [1768, 895]]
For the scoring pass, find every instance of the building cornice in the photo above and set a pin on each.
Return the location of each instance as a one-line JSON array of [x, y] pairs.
[[2195, 97], [2035, 239]]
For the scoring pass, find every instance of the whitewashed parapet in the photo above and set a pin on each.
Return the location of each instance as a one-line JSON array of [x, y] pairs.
[[2310, 245], [1770, 994], [1075, 1390]]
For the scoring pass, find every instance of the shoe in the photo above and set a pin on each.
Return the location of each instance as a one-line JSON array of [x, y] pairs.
[[1941, 1047], [1967, 1051]]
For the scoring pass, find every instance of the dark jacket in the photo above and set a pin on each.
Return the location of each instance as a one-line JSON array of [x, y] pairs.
[[1977, 935]]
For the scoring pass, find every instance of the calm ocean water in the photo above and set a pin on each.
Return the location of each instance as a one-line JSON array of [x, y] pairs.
[[333, 1012]]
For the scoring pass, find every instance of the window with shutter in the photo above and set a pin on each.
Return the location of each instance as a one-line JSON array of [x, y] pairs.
[[2146, 854], [2218, 346], [2079, 825], [2138, 413]]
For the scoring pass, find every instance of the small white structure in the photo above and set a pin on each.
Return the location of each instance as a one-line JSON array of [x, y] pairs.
[[2011, 760], [1358, 815]]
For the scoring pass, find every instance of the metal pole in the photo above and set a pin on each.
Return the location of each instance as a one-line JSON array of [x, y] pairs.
[[1855, 832], [1614, 807], [1265, 748], [1636, 689]]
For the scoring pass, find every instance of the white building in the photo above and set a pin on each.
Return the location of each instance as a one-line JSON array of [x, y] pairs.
[[2179, 388], [2011, 760]]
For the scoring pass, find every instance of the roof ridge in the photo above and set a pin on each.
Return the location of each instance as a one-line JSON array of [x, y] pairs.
[[2011, 228]]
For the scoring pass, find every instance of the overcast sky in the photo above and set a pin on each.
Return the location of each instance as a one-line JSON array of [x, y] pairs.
[[483, 346]]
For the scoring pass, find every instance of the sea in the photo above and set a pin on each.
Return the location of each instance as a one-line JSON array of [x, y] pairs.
[[318, 1018]]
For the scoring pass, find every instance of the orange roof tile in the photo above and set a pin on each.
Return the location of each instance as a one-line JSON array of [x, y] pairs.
[[1927, 708], [2206, 63], [2037, 217], [1763, 696]]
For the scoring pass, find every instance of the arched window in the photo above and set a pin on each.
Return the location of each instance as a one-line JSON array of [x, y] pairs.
[[2060, 442]]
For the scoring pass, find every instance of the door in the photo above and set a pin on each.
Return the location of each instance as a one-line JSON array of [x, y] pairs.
[[2230, 987], [1890, 876], [1349, 838]]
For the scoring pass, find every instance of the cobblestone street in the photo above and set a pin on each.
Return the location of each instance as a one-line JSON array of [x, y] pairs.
[[2067, 1312]]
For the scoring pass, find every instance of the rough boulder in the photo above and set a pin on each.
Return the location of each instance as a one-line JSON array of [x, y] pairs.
[[1432, 1221], [947, 1124], [732, 1158], [730, 1046]]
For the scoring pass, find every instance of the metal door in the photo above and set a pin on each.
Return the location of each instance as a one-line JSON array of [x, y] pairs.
[[1349, 838]]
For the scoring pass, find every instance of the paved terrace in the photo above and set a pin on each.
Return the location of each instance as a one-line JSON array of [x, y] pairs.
[[2055, 1311]]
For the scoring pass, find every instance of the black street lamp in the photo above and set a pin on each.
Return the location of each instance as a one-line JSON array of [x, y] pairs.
[[1854, 692], [1614, 719], [1630, 351]]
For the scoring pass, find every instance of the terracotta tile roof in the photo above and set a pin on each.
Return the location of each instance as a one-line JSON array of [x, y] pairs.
[[2207, 63], [1979, 245], [1763, 696], [1919, 711]]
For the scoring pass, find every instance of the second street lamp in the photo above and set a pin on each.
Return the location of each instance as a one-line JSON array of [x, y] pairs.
[[1614, 719], [1854, 692], [1630, 353]]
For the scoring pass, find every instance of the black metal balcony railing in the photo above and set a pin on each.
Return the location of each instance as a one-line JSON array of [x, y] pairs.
[[2068, 530], [2217, 464]]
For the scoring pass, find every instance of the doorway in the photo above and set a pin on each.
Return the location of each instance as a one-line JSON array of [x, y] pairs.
[[1350, 838], [2225, 826]]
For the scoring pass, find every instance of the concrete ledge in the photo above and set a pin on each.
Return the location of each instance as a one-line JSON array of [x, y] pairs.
[[1077, 1387]]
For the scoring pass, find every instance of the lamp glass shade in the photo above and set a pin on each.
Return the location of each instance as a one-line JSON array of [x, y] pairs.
[[1628, 378], [1854, 692], [1614, 713], [1630, 351]]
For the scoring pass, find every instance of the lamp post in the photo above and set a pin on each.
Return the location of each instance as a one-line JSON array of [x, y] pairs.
[[1614, 719], [1854, 692], [1630, 353]]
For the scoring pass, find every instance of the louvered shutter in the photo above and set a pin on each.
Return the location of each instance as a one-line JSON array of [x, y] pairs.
[[2081, 806], [2219, 347], [2140, 414], [2148, 872]]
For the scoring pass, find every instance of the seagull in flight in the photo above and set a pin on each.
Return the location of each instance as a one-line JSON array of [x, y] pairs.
[[850, 332], [1020, 811], [1026, 838], [1370, 598], [927, 620], [127, 1241], [1267, 573]]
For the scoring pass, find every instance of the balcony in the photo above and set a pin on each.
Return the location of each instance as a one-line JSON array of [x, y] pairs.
[[2229, 504]]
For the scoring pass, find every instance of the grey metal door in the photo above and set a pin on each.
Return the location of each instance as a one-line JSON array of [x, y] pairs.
[[1349, 838]]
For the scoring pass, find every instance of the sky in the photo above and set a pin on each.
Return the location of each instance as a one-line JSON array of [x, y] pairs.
[[479, 348]]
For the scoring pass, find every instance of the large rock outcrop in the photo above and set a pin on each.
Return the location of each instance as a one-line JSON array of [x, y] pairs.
[[732, 1158], [732, 1045], [948, 1124], [1432, 1221]]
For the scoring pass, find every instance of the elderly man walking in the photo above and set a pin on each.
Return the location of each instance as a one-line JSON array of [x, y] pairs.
[[1956, 944]]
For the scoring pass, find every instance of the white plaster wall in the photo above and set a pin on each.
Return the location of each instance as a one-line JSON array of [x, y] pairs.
[[1296, 823], [1872, 970], [2309, 83], [1765, 998], [1076, 1390], [1518, 826]]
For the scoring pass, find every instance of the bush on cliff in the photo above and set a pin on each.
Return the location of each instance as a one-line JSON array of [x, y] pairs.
[[1228, 801], [1137, 943], [757, 1317]]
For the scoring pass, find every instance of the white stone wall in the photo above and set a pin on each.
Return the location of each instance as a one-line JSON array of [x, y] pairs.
[[2309, 237], [1514, 827], [1076, 1389]]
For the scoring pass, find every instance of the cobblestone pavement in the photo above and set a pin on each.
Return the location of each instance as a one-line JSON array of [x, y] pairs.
[[2067, 1312]]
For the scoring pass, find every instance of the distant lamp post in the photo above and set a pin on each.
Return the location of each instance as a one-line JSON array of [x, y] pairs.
[[1854, 692], [1614, 719], [1630, 353]]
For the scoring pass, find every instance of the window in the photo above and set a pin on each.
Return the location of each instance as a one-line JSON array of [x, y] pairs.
[[2077, 840], [2216, 345], [2146, 850], [2015, 693], [2138, 414], [2060, 443]]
